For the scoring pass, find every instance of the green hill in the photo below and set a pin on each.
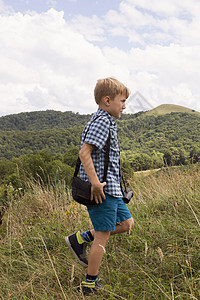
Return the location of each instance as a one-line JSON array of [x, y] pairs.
[[42, 120], [170, 108], [56, 132]]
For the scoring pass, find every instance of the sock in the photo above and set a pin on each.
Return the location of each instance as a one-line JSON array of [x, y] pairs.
[[79, 237], [87, 236], [90, 278]]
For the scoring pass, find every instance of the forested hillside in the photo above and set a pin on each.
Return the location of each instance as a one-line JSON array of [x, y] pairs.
[[42, 120], [56, 132], [148, 133]]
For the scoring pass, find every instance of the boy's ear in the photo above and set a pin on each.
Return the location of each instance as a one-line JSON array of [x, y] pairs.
[[106, 100]]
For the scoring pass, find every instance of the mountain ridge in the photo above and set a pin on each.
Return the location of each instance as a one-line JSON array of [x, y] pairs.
[[52, 119], [41, 120]]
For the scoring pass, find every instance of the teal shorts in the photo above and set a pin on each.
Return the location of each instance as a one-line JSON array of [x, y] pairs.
[[109, 213]]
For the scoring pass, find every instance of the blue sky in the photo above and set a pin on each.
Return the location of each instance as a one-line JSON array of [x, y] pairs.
[[85, 7], [53, 51]]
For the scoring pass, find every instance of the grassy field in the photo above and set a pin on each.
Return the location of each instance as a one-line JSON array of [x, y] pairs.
[[159, 259]]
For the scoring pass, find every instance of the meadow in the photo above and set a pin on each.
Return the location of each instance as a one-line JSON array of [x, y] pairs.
[[159, 259]]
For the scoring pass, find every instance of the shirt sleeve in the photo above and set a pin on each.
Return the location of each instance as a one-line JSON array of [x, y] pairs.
[[97, 134]]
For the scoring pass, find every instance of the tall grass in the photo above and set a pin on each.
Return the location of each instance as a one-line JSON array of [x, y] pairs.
[[160, 259]]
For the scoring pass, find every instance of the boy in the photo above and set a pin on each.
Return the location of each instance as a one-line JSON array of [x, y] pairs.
[[111, 215]]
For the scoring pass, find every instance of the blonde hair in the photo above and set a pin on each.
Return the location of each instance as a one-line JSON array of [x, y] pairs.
[[109, 87]]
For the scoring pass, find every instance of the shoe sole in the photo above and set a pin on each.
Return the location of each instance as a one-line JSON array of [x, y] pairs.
[[86, 290], [69, 245]]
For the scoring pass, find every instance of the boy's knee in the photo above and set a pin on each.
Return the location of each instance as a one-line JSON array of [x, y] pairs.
[[106, 236], [102, 235], [129, 225]]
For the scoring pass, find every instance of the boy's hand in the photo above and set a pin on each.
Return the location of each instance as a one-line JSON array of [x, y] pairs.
[[97, 187], [97, 192]]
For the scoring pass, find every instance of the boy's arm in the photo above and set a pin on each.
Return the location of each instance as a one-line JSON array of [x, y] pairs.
[[86, 159]]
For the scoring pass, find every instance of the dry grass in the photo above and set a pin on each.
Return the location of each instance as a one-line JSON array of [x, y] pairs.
[[159, 260]]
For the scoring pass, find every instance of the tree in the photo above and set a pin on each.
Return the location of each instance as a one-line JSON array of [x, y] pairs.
[[70, 157], [195, 155]]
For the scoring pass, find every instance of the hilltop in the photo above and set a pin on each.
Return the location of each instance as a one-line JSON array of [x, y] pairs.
[[170, 108]]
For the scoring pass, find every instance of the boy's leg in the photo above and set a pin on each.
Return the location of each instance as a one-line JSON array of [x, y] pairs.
[[96, 252], [124, 226], [91, 283], [79, 241], [100, 240]]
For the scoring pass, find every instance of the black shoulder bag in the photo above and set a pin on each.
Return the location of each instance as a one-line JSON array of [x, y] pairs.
[[81, 189]]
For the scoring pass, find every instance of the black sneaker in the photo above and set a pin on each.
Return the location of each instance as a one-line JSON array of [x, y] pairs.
[[94, 287], [78, 249]]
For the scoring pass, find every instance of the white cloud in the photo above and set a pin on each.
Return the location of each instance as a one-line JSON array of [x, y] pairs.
[[157, 22], [145, 22], [42, 57], [91, 28], [159, 73], [48, 62]]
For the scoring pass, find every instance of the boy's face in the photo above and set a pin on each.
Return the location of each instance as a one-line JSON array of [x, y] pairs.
[[117, 106]]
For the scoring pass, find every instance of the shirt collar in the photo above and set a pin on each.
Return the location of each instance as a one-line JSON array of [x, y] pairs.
[[104, 113]]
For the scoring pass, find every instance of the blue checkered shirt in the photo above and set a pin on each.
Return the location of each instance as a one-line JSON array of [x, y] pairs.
[[97, 135]]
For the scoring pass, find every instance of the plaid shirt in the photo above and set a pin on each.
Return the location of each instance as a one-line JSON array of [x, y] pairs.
[[97, 135]]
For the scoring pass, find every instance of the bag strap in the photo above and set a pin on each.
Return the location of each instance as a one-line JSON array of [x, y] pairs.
[[78, 162], [106, 157], [122, 179], [124, 182]]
